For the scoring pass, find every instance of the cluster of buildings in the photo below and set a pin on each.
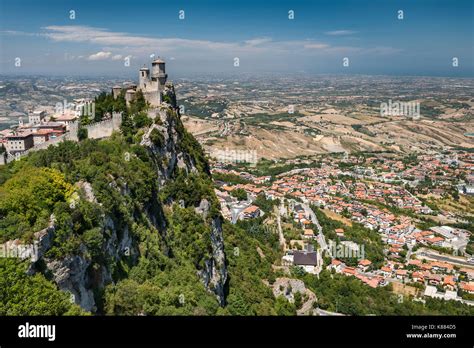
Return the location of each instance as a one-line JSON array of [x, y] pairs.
[[442, 169], [365, 193], [38, 130], [386, 193], [231, 208], [438, 279], [365, 201], [361, 272], [42, 127]]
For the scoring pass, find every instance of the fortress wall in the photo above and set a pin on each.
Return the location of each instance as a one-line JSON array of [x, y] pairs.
[[100, 130], [153, 97]]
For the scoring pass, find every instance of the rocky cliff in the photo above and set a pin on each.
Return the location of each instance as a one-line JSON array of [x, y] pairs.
[[171, 154], [174, 155]]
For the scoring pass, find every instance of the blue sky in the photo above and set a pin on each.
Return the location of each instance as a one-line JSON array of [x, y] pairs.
[[259, 33]]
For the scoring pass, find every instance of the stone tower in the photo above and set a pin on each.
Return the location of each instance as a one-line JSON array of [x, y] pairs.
[[158, 72], [144, 78], [116, 90], [153, 86]]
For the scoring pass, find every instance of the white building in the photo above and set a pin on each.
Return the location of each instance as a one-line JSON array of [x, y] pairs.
[[35, 117]]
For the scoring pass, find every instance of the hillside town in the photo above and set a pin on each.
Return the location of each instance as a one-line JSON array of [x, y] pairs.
[[425, 254], [41, 128]]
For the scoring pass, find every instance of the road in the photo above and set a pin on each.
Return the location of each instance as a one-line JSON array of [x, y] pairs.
[[409, 252], [322, 312], [237, 208], [312, 216], [280, 231], [446, 258]]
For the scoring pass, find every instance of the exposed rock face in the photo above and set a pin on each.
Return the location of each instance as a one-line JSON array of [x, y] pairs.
[[288, 287], [117, 246], [169, 94], [167, 154], [203, 208], [70, 274], [87, 189], [35, 251], [73, 274], [215, 273]]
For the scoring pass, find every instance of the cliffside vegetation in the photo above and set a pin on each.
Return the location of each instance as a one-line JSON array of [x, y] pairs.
[[22, 294], [27, 200]]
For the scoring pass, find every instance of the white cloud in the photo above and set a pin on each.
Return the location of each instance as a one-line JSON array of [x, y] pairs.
[[100, 56], [340, 32], [112, 41], [316, 46], [110, 45], [258, 41], [18, 33], [100, 36]]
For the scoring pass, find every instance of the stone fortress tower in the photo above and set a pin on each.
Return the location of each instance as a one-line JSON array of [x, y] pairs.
[[151, 85]]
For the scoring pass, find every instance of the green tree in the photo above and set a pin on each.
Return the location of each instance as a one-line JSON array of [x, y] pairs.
[[22, 294], [28, 198], [141, 120], [82, 133], [284, 307], [239, 193]]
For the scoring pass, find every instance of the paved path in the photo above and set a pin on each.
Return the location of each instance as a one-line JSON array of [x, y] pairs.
[[237, 208], [280, 231], [446, 258], [314, 220], [322, 312]]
